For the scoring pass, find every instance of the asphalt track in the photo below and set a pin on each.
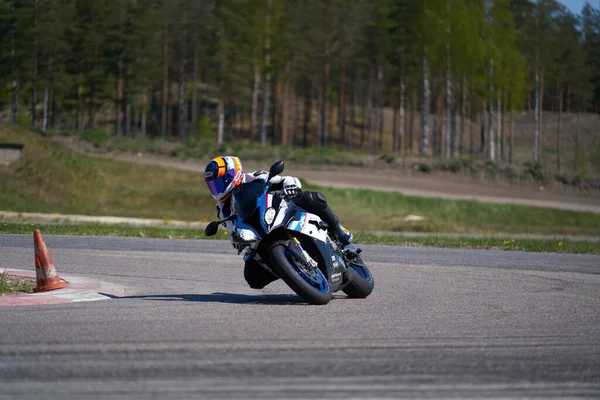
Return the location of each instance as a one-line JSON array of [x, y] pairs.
[[441, 323]]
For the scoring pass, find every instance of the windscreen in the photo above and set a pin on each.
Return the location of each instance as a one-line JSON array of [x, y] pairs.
[[245, 197]]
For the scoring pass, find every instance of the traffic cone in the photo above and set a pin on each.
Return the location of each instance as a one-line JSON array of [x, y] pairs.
[[47, 278]]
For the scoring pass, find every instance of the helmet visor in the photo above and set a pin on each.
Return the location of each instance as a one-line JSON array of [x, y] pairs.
[[218, 186]]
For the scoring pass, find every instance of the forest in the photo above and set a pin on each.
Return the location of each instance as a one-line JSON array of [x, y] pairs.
[[310, 73]]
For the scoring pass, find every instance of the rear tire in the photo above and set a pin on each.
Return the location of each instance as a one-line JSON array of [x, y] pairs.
[[282, 266], [362, 282]]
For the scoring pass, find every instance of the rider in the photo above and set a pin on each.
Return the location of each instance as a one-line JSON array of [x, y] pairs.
[[224, 173]]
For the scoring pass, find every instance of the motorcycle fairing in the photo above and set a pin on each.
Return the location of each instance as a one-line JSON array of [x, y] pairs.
[[306, 224]]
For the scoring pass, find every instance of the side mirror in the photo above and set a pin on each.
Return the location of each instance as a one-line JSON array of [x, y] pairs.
[[276, 169], [211, 229]]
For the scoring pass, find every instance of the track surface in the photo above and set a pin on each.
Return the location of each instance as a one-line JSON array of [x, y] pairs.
[[441, 323]]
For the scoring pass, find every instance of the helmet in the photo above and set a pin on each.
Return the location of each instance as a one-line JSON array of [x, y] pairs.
[[222, 175]]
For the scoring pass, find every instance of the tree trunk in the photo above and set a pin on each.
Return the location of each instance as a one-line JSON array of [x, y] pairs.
[[14, 97], [165, 82], [134, 121], [380, 105], [449, 105], [296, 117], [511, 136], [568, 97], [558, 127], [285, 104], [322, 111], [402, 114], [14, 86], [411, 123], [285, 115], [576, 142], [342, 104], [437, 94], [34, 96], [541, 119], [238, 120], [307, 112], [263, 131], [47, 96], [441, 116], [491, 149], [144, 111], [255, 94], [464, 120], [353, 122], [79, 102], [395, 128], [91, 115], [453, 134], [119, 83], [182, 118], [194, 131], [425, 113], [483, 133], [324, 106], [125, 105], [369, 112], [472, 130], [55, 115], [221, 118], [503, 131], [500, 134], [276, 112]]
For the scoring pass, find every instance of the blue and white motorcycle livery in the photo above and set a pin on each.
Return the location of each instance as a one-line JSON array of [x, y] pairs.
[[294, 244]]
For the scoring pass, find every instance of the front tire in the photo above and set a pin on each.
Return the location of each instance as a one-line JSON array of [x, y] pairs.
[[362, 282], [314, 291]]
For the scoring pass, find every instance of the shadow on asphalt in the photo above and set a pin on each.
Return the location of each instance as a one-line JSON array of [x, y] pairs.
[[230, 298]]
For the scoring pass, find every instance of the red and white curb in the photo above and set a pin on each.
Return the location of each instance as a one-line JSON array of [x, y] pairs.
[[79, 289]]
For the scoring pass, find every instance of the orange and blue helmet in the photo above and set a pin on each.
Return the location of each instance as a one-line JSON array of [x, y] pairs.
[[222, 175]]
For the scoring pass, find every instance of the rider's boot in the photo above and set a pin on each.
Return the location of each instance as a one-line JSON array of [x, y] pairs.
[[343, 234], [335, 226]]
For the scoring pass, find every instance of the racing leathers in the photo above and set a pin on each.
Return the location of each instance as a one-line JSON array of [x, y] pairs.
[[255, 274]]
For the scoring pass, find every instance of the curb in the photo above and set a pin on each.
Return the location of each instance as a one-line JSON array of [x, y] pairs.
[[79, 290]]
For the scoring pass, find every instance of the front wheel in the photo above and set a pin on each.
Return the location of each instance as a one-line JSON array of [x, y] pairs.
[[362, 282], [308, 282]]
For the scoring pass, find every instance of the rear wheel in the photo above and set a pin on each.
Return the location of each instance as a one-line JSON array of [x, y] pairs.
[[307, 281], [362, 282]]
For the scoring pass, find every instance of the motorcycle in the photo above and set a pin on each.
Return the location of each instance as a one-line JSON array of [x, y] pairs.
[[294, 244]]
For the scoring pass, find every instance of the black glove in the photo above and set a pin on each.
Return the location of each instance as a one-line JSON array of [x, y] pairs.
[[237, 242]]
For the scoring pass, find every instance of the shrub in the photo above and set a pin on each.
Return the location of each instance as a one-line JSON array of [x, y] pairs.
[[205, 128], [176, 152], [97, 137]]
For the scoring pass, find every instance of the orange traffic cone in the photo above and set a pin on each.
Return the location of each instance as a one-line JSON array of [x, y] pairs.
[[47, 278]]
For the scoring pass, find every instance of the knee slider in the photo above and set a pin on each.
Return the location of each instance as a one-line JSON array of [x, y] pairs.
[[319, 200]]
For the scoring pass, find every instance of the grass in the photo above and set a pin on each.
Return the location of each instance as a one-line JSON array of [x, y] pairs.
[[12, 283], [534, 245], [368, 210], [49, 178]]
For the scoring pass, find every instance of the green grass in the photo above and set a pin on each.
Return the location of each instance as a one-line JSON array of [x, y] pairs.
[[108, 230], [369, 210], [49, 178], [4, 285], [534, 245]]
